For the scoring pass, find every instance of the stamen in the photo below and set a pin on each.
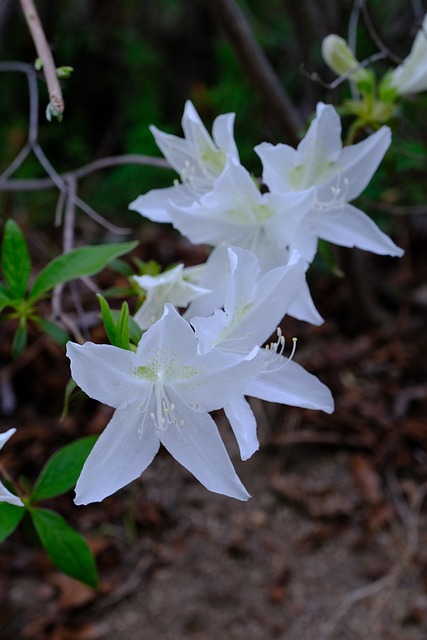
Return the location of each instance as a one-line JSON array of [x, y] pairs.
[[276, 349], [338, 199]]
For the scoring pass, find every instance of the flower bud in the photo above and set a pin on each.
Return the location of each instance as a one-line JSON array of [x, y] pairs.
[[340, 58]]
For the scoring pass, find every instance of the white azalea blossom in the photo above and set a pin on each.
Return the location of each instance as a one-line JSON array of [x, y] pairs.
[[411, 75], [254, 306], [5, 494], [162, 395], [172, 286], [236, 213], [338, 174], [198, 158]]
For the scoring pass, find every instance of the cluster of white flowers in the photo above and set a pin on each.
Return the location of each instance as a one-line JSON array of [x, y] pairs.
[[263, 240]]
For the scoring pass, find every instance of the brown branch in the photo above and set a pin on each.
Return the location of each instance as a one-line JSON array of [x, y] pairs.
[[44, 53], [257, 66], [36, 184]]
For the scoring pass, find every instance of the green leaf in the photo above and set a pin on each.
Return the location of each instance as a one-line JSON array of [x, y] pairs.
[[15, 259], [61, 471], [123, 327], [84, 261], [107, 319], [57, 334], [71, 386], [135, 331], [20, 339], [10, 517], [67, 549]]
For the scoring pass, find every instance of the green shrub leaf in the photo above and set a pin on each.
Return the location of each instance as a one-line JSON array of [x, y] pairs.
[[15, 259], [67, 549], [84, 261], [10, 517], [61, 471]]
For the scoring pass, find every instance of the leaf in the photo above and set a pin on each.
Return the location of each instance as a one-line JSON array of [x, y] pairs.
[[135, 331], [107, 319], [67, 549], [71, 386], [20, 339], [10, 517], [123, 327], [84, 261], [57, 334], [61, 471], [15, 259]]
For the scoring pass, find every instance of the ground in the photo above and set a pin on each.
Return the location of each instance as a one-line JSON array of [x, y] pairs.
[[332, 544]]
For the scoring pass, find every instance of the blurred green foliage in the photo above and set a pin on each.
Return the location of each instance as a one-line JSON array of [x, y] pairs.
[[135, 63]]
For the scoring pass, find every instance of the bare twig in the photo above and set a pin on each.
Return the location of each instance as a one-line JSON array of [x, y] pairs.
[[44, 53], [38, 184], [375, 37], [257, 66]]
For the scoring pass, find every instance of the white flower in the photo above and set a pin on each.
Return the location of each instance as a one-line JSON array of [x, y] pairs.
[[162, 394], [411, 75], [339, 174], [5, 494], [172, 286], [197, 158], [236, 213], [253, 308]]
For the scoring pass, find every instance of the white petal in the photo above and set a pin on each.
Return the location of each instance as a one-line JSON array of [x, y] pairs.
[[243, 423], [290, 384], [177, 151], [220, 377], [350, 227], [277, 161], [119, 456], [360, 161], [197, 445], [214, 278], [195, 131], [4, 437], [208, 330], [222, 131], [302, 307], [155, 204], [169, 342], [323, 138], [7, 496], [104, 372]]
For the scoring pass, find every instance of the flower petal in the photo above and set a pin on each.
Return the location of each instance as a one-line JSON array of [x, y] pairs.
[[243, 423], [154, 205], [350, 227], [7, 496], [4, 437], [197, 445], [360, 161], [222, 131], [289, 383], [104, 372], [123, 451]]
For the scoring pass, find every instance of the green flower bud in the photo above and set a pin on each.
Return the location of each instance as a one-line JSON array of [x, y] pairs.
[[340, 58]]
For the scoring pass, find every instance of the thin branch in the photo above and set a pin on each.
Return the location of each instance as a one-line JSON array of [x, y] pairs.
[[375, 37], [44, 53], [103, 163], [257, 66]]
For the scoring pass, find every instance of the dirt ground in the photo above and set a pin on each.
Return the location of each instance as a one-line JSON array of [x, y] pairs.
[[332, 544]]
